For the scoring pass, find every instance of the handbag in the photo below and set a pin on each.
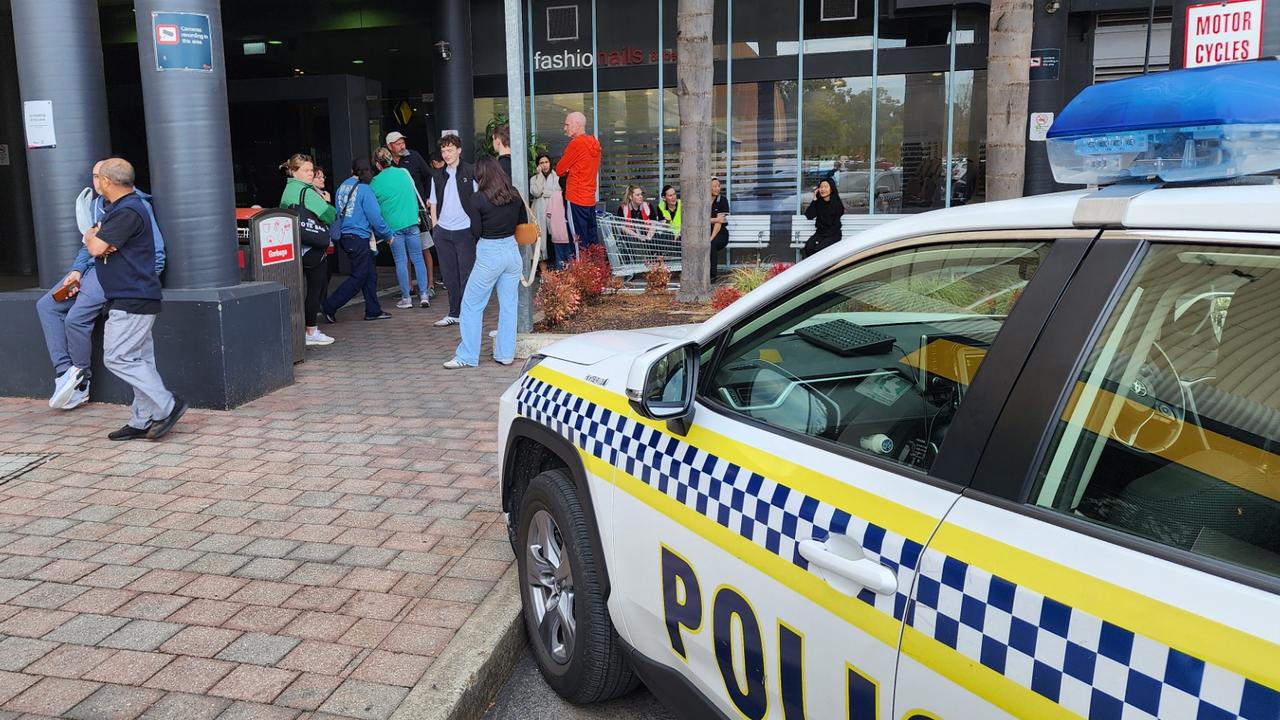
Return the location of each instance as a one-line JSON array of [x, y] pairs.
[[424, 214], [528, 233], [314, 233]]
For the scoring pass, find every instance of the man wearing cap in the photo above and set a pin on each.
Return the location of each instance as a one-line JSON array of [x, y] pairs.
[[420, 171]]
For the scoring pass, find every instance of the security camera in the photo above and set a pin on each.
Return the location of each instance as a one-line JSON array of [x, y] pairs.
[[445, 53]]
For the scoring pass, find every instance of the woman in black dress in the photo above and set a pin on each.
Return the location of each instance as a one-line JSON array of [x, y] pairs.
[[825, 211]]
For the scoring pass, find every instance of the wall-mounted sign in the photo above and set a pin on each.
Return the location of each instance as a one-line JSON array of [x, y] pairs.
[[570, 59], [1223, 32], [276, 238], [183, 41], [1040, 124], [1045, 63], [37, 117]]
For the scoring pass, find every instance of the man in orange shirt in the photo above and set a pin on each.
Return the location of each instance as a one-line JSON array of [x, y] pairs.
[[580, 164]]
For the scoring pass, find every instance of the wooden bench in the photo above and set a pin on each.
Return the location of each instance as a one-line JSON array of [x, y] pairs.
[[802, 228], [748, 232]]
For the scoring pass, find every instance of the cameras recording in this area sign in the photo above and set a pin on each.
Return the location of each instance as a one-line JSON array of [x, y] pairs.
[[1223, 32]]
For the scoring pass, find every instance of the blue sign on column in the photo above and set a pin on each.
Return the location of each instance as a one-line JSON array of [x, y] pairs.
[[182, 40]]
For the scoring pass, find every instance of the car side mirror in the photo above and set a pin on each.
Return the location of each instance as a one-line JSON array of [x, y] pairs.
[[661, 385]]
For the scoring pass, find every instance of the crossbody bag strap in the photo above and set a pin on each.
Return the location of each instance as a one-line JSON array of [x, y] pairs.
[[536, 255]]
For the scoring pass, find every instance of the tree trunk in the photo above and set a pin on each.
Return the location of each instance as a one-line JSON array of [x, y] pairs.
[[693, 68], [1008, 71]]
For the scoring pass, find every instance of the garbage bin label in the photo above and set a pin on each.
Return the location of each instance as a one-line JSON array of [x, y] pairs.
[[276, 238]]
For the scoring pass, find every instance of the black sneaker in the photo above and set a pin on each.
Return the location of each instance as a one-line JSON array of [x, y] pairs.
[[329, 317], [129, 432], [160, 428], [382, 316]]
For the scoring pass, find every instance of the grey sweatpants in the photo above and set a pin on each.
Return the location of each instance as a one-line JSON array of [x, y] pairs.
[[128, 352]]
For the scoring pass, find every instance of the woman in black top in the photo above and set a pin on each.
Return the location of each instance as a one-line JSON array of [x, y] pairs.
[[498, 209], [825, 210]]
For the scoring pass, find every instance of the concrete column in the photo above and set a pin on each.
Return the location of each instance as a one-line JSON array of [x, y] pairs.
[[454, 88], [1048, 31], [18, 246], [59, 52], [189, 143]]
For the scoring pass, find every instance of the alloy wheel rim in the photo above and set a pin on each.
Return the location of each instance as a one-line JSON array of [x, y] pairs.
[[549, 576]]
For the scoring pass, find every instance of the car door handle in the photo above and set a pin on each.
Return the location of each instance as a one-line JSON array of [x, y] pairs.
[[842, 563]]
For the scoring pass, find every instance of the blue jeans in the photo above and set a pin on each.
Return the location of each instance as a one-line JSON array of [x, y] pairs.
[[68, 325], [407, 242], [363, 278], [497, 265]]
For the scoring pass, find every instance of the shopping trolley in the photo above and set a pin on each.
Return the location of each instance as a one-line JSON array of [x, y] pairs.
[[630, 244]]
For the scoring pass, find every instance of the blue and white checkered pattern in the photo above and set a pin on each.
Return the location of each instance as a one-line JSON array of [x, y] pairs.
[[1089, 666]]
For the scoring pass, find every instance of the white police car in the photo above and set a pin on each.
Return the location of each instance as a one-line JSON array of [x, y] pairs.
[[1012, 459]]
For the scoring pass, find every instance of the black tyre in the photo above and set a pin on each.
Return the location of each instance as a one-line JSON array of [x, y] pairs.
[[573, 639]]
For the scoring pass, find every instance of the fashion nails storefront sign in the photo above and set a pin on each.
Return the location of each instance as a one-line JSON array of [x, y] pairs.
[[581, 59]]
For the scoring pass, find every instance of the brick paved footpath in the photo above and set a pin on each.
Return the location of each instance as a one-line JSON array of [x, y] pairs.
[[304, 556]]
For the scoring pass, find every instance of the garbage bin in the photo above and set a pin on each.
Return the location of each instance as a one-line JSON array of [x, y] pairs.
[[274, 254]]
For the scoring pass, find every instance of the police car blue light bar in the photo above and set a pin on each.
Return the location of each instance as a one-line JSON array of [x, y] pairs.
[[1180, 126]]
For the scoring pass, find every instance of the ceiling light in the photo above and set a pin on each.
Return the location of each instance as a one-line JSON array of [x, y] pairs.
[[357, 61], [275, 42]]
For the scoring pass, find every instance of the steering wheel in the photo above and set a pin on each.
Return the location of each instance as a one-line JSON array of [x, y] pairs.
[[781, 398], [1146, 421]]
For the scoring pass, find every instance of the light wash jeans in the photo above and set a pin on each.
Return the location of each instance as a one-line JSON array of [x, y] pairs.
[[406, 241], [68, 325], [497, 265]]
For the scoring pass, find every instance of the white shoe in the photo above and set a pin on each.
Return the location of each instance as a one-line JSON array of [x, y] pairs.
[[493, 333], [65, 386], [503, 362], [79, 397], [455, 364], [424, 300], [446, 321], [318, 338], [404, 304]]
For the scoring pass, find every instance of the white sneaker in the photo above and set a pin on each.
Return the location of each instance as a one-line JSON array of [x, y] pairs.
[[404, 304], [455, 364], [424, 300], [319, 338], [446, 321], [79, 397], [65, 386]]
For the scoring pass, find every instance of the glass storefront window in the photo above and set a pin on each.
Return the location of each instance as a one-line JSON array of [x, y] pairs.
[[969, 145], [824, 33], [628, 143], [911, 139], [837, 139]]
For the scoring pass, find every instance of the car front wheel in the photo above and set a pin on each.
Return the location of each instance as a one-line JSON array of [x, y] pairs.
[[576, 646]]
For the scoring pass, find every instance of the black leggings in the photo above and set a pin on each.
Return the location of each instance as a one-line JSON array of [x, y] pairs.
[[315, 273]]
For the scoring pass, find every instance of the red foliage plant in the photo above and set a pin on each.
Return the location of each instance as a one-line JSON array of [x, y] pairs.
[[557, 297], [658, 275], [724, 296], [777, 269], [589, 273]]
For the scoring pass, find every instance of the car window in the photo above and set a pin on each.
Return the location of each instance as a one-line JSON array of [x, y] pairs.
[[1172, 427], [877, 356]]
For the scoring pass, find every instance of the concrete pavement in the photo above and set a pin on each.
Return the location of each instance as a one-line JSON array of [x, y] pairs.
[[308, 555]]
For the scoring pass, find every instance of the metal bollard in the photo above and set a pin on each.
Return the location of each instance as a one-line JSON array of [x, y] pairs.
[[275, 255]]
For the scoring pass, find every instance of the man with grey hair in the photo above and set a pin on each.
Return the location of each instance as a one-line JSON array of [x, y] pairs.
[[124, 259], [580, 164], [68, 322]]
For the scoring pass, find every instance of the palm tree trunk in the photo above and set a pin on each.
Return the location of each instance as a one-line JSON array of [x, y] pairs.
[[693, 68], [1008, 71]]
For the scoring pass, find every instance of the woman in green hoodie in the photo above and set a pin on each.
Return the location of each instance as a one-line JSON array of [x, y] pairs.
[[299, 191], [398, 200]]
